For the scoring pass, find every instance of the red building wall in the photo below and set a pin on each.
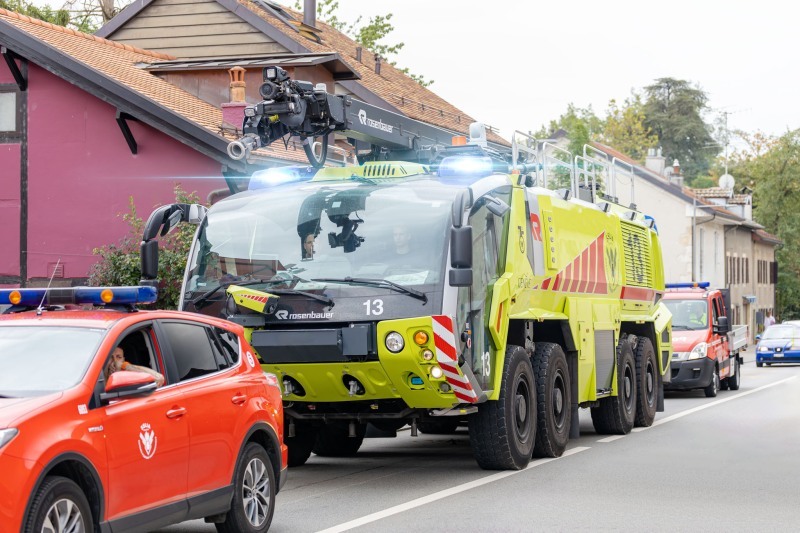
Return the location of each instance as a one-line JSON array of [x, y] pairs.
[[81, 175]]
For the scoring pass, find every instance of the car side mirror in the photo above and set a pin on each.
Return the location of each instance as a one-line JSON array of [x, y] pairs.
[[125, 384], [758, 337], [722, 326], [461, 256]]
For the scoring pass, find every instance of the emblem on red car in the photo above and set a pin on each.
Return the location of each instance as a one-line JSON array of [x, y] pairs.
[[147, 441]]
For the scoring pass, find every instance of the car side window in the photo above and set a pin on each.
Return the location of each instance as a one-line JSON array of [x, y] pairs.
[[193, 352], [229, 345]]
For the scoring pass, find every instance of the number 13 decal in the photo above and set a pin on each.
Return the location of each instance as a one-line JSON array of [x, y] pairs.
[[374, 307]]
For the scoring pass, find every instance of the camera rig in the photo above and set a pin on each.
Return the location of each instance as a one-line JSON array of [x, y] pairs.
[[298, 108]]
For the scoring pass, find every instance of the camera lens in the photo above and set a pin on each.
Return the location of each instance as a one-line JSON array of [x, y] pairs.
[[268, 90]]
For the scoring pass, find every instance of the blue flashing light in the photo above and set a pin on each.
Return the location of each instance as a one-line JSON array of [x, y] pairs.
[[272, 177], [463, 166], [688, 285], [79, 296]]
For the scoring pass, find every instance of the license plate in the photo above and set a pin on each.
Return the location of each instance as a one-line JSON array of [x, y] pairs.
[[778, 354]]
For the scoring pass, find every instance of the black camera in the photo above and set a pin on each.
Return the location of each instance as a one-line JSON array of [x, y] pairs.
[[347, 238]]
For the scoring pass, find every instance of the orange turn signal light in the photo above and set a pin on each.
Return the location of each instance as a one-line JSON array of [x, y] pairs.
[[459, 140], [107, 295], [15, 297], [420, 338]]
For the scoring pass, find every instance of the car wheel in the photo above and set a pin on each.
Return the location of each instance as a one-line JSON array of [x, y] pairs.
[[300, 446], [735, 381], [60, 507], [759, 364], [254, 491], [713, 387]]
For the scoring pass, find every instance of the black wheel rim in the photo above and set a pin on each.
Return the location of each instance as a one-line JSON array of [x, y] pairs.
[[522, 409], [627, 387], [558, 400], [650, 384]]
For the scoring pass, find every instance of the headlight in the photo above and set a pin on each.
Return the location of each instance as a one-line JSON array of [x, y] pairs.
[[698, 352], [763, 349], [394, 342], [6, 435]]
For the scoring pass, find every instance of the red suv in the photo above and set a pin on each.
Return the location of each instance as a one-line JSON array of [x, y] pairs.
[[115, 419]]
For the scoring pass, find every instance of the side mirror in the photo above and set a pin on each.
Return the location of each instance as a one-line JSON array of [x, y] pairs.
[[461, 256], [722, 326], [124, 384], [149, 259], [758, 337]]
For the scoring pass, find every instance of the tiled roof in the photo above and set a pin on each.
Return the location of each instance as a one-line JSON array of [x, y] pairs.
[[720, 192], [392, 85], [118, 62]]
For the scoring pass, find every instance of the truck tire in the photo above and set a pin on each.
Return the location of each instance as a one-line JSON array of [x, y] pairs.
[[647, 376], [334, 440], [300, 446], [735, 381], [616, 414], [713, 387], [553, 400], [503, 432]]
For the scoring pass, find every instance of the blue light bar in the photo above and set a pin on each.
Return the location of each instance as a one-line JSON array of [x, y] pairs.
[[272, 177], [461, 166], [79, 296], [688, 285]]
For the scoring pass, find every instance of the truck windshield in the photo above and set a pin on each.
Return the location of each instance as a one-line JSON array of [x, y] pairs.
[[688, 314], [361, 229], [36, 360]]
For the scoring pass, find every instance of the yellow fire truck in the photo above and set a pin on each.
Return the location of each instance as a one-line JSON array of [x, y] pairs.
[[450, 291]]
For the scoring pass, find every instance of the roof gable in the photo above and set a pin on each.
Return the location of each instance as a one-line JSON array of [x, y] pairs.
[[391, 88]]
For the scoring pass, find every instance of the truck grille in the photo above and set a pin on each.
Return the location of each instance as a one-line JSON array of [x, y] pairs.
[[636, 250]]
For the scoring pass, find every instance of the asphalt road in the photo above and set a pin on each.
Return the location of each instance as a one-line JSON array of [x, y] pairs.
[[730, 462]]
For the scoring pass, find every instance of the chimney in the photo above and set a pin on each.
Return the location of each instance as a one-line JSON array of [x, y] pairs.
[[655, 161], [358, 53], [310, 12], [233, 111], [676, 168], [377, 64]]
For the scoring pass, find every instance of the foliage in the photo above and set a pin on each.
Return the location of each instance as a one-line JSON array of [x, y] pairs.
[[120, 263], [773, 169], [624, 128], [673, 112], [368, 35], [59, 17], [90, 15]]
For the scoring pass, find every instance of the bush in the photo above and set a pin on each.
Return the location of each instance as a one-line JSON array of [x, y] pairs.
[[120, 264]]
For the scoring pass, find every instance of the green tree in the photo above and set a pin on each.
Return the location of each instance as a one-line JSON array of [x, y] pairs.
[[674, 113], [370, 35], [624, 128], [46, 13], [773, 170], [120, 265]]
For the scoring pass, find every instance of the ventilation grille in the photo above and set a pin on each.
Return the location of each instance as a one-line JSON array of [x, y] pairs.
[[387, 170], [636, 246]]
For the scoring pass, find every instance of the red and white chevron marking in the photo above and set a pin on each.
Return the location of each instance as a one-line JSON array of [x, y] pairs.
[[447, 356], [261, 299]]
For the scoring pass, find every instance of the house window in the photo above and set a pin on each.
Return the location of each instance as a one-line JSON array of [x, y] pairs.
[[8, 112]]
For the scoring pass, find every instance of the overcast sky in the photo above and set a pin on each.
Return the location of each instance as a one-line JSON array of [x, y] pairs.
[[518, 64]]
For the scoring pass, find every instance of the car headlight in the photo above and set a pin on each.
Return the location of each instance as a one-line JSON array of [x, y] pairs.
[[699, 351], [394, 342], [763, 349], [6, 435]]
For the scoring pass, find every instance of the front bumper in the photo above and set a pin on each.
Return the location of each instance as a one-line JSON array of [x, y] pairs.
[[691, 374], [16, 476], [775, 356]]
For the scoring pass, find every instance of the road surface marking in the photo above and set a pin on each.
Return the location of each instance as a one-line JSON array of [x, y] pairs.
[[717, 402], [611, 439], [425, 500]]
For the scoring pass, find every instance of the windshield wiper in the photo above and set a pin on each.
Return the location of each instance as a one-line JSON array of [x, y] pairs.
[[419, 295], [208, 294], [324, 299]]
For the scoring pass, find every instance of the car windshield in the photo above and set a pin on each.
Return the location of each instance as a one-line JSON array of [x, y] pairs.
[[780, 332], [358, 229], [36, 360], [688, 314]]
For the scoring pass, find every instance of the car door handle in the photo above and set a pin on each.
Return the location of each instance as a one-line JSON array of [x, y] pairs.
[[176, 412], [239, 399]]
